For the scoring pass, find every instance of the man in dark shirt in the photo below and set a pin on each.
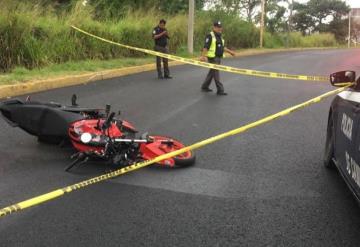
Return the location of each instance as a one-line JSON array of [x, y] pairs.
[[161, 36], [212, 52]]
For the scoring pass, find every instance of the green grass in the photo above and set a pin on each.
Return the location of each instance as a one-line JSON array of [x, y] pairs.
[[21, 74]]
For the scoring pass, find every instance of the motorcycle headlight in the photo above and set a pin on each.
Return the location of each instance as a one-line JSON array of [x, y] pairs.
[[86, 137]]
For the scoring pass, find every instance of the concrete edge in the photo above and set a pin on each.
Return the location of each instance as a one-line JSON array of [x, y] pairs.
[[11, 90]]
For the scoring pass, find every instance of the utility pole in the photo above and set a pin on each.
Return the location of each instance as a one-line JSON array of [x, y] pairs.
[[191, 26], [291, 6], [262, 23], [349, 30]]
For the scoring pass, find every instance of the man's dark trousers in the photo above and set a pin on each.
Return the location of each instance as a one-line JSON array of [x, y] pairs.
[[165, 61], [213, 73]]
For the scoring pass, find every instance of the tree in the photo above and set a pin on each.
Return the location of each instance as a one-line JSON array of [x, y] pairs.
[[339, 27], [302, 22], [228, 6], [275, 16], [117, 8], [250, 6], [320, 16], [244, 8], [173, 7], [355, 31]]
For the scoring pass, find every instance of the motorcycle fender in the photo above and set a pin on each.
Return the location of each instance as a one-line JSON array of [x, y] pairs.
[[152, 150]]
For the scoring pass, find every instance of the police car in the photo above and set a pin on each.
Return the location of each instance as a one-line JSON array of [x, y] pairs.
[[342, 147]]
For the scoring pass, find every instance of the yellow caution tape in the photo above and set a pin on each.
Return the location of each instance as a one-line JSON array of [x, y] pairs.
[[60, 192], [341, 84], [240, 71]]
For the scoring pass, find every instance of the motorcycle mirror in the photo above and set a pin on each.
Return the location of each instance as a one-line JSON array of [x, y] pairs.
[[107, 122], [85, 138], [73, 100], [107, 110], [119, 113]]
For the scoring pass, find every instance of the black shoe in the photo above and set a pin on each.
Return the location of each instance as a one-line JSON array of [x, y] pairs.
[[221, 93], [168, 77], [160, 77], [206, 90]]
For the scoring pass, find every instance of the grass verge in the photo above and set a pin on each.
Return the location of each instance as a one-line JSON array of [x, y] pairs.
[[21, 74]]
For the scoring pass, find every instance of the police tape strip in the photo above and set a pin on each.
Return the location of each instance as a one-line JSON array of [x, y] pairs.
[[341, 84], [240, 71], [60, 192]]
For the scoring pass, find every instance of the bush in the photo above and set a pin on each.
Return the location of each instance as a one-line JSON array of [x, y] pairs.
[[298, 40], [273, 41], [319, 40]]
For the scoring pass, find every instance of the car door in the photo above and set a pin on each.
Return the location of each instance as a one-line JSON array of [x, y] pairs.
[[347, 137], [353, 159]]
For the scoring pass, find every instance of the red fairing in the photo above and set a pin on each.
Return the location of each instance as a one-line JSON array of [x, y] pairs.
[[92, 126], [153, 150], [157, 148], [128, 125]]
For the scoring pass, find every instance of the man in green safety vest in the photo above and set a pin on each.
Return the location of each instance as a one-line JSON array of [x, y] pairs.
[[213, 52]]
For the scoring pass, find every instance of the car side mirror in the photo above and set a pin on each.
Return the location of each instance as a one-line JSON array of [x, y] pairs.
[[337, 79]]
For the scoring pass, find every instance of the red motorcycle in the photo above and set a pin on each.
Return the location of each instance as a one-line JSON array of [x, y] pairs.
[[94, 133]]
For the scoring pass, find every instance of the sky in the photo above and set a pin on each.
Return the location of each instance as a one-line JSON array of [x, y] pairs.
[[352, 3]]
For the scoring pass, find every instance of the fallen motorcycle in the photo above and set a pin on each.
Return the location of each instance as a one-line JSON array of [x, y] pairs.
[[95, 133]]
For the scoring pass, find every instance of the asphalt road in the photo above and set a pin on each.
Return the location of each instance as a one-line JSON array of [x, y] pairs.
[[266, 187]]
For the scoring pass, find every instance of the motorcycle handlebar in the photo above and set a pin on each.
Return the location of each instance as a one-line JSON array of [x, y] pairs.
[[107, 122]]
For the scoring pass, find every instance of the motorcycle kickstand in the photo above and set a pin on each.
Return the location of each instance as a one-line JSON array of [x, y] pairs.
[[63, 143], [80, 158]]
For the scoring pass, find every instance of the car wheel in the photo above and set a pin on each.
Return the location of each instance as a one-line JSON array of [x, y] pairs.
[[329, 145]]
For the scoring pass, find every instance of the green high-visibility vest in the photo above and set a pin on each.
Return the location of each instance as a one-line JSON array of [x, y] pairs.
[[212, 49]]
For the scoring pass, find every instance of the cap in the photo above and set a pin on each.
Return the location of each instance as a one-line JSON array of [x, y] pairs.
[[217, 24]]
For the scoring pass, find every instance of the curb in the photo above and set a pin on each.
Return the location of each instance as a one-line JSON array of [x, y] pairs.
[[8, 91]]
